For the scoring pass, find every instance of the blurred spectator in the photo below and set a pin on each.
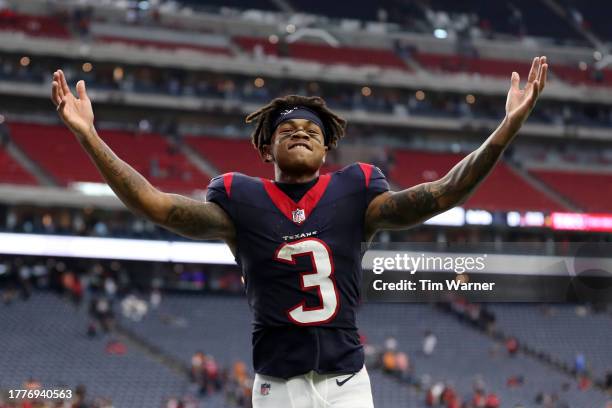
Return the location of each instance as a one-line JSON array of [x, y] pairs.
[[492, 401], [580, 364], [115, 347], [133, 308], [512, 346], [155, 298], [434, 394], [479, 399], [515, 381], [584, 382], [197, 367], [429, 343]]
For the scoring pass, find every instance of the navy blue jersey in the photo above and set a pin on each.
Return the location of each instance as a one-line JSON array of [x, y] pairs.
[[301, 262]]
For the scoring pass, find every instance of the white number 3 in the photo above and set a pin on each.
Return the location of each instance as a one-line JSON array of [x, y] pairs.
[[321, 278]]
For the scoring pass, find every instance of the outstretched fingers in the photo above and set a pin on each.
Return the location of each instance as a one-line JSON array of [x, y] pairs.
[[81, 91], [534, 71], [55, 97], [543, 74], [63, 83], [515, 80]]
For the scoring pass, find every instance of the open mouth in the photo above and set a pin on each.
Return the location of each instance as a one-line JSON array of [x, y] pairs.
[[300, 146]]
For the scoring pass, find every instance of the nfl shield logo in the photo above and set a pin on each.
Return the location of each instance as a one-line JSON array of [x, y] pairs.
[[265, 389], [298, 216]]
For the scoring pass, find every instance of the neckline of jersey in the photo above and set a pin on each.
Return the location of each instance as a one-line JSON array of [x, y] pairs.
[[308, 202]]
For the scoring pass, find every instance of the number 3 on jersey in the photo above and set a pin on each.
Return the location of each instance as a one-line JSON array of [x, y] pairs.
[[321, 278]]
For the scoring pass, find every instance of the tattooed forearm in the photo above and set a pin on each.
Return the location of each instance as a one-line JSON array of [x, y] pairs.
[[402, 207], [414, 205], [459, 183], [196, 219], [126, 182], [183, 215]]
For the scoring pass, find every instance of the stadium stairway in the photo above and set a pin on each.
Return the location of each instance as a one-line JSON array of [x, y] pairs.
[[548, 339], [29, 165], [11, 172], [521, 322], [47, 341], [590, 190], [543, 187], [464, 355], [198, 160], [563, 14], [219, 325]]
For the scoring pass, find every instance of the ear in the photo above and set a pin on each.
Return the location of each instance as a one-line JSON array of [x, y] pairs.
[[267, 154]]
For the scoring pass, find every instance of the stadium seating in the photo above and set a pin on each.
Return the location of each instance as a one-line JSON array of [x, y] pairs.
[[590, 191], [362, 10], [591, 13], [163, 45], [47, 342], [576, 76], [453, 63], [11, 172], [502, 190], [39, 26], [238, 4], [57, 151], [559, 331], [517, 18], [187, 323], [482, 66], [239, 155], [462, 355], [325, 54]]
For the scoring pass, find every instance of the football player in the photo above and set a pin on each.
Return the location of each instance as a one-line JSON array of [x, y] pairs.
[[298, 238]]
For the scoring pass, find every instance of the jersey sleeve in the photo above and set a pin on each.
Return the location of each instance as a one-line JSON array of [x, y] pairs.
[[378, 184], [375, 181], [219, 192]]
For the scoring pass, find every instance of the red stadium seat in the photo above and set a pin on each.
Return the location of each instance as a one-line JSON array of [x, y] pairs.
[[590, 191], [503, 68], [11, 171], [326, 54], [44, 26], [164, 45], [503, 189], [57, 151], [483, 66]]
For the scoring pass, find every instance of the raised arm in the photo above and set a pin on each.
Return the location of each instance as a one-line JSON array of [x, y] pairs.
[[183, 215], [403, 209]]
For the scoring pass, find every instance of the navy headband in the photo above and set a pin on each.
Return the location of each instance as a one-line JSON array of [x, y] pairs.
[[299, 112]]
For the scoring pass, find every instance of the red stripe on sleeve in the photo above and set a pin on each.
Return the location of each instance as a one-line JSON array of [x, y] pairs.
[[367, 172], [227, 182]]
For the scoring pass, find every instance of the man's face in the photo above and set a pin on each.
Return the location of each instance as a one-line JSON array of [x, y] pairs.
[[298, 147]]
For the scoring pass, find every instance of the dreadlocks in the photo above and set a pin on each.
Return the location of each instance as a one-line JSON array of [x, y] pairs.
[[262, 135]]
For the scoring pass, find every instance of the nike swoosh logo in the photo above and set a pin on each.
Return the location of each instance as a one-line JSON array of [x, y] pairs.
[[341, 383]]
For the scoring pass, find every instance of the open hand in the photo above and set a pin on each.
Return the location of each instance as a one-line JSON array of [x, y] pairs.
[[76, 113], [520, 102]]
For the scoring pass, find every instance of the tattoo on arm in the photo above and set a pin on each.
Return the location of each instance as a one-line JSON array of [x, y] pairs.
[[197, 219], [183, 215], [463, 179], [401, 207], [126, 182]]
